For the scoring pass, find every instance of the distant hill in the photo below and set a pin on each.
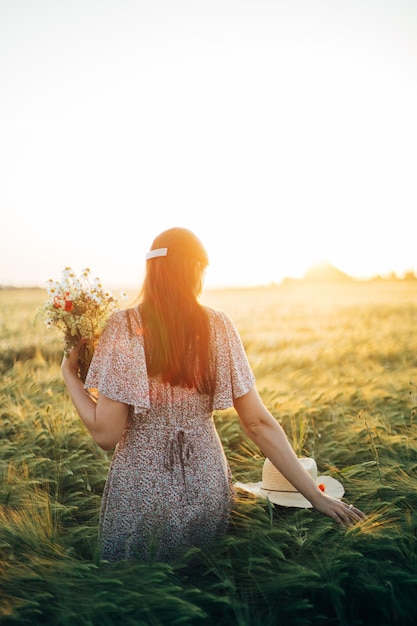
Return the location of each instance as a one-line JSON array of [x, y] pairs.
[[323, 273]]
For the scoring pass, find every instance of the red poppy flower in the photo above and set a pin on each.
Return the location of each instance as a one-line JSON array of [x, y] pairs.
[[57, 302]]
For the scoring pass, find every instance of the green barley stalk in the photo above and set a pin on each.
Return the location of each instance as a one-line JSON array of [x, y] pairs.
[[373, 445]]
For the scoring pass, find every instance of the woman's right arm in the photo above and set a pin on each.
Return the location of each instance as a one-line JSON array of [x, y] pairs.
[[268, 435]]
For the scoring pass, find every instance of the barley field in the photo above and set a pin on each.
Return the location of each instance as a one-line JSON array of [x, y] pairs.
[[337, 366]]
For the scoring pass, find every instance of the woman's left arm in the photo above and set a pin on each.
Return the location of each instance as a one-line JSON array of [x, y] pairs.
[[105, 420]]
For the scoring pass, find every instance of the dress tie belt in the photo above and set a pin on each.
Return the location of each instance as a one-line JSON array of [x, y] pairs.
[[178, 451]]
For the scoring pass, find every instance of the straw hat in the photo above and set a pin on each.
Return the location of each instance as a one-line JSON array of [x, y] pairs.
[[278, 490]]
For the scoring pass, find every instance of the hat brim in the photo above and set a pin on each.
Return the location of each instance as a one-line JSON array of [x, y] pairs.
[[332, 488]]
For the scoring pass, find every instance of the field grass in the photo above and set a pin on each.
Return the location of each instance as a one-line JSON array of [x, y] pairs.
[[337, 366]]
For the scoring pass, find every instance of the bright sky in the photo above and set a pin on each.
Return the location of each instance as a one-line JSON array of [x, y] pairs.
[[283, 132]]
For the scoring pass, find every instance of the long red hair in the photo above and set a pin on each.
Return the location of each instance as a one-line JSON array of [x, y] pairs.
[[176, 325]]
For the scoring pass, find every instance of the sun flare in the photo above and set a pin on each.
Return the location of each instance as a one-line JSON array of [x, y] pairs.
[[281, 136]]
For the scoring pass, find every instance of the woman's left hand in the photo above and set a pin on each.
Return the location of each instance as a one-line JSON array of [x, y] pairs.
[[71, 360]]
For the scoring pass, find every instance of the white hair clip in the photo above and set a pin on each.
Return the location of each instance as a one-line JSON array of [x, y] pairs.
[[158, 252]]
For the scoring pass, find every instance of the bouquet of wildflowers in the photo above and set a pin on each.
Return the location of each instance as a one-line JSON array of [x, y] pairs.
[[80, 308]]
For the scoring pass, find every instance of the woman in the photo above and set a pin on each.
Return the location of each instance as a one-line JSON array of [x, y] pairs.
[[161, 368]]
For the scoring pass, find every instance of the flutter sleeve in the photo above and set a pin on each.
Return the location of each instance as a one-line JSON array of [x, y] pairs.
[[118, 368], [233, 374]]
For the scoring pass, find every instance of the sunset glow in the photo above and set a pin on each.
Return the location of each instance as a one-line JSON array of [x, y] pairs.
[[282, 133]]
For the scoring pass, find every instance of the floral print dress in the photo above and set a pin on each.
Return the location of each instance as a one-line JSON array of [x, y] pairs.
[[169, 485]]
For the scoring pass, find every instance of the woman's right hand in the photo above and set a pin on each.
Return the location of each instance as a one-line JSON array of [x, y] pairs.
[[341, 512]]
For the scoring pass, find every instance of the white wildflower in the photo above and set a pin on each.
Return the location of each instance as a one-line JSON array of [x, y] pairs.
[[80, 310]]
